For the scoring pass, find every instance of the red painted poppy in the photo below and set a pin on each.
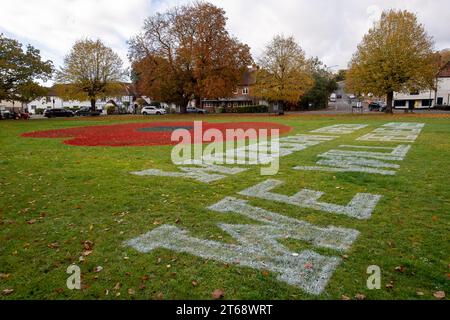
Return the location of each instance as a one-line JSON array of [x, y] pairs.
[[146, 134]]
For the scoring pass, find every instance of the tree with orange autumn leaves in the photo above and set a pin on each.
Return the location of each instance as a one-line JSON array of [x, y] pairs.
[[186, 53]]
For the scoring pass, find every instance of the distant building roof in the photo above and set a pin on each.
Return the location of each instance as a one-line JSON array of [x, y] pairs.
[[249, 77], [239, 99], [127, 89], [51, 92], [445, 71]]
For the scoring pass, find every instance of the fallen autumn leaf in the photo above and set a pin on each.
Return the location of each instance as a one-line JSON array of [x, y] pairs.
[[218, 294], [439, 295]]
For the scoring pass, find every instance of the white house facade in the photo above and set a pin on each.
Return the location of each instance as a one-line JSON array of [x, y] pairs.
[[55, 102], [52, 101], [428, 98], [10, 105]]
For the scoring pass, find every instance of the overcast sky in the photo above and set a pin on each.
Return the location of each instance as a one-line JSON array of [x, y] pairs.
[[329, 29]]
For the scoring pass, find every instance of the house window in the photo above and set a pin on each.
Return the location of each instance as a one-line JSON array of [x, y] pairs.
[[440, 101], [400, 103], [245, 91], [426, 103]]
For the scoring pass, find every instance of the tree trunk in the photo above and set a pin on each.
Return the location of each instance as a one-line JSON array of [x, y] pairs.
[[390, 99], [435, 91], [93, 104], [200, 100], [281, 106]]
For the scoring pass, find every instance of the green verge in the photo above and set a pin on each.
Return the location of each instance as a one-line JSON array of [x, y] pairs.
[[86, 193]]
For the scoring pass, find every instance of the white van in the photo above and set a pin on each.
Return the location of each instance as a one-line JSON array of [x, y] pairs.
[[333, 97]]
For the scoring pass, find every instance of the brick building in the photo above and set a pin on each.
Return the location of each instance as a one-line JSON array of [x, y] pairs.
[[241, 97]]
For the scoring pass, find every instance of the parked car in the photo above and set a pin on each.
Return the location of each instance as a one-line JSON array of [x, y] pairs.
[[5, 114], [86, 111], [377, 106], [153, 110], [54, 113], [196, 110], [21, 115], [339, 96], [333, 97]]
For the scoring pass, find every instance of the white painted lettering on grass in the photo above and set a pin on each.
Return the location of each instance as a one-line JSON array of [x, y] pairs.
[[205, 170], [341, 129], [330, 237], [202, 172], [242, 147], [395, 132], [261, 153], [257, 248], [360, 207], [338, 160]]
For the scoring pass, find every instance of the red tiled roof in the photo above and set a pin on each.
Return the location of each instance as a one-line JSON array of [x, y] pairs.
[[248, 77]]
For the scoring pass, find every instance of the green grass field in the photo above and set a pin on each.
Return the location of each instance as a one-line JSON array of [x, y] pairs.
[[51, 193]]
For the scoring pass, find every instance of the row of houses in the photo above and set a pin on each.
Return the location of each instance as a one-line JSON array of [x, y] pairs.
[[427, 98], [126, 99], [242, 96]]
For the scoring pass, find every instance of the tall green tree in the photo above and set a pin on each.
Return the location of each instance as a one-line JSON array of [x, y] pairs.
[[341, 75], [396, 55], [324, 84], [284, 75], [443, 57], [90, 71], [19, 70]]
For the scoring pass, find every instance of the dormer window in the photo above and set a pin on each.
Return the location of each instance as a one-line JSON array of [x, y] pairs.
[[245, 91]]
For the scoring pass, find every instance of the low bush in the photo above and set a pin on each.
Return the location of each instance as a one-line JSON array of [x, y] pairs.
[[74, 108], [110, 110], [248, 109], [439, 107], [155, 104]]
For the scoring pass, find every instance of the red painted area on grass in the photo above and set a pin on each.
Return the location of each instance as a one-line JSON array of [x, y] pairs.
[[143, 134]]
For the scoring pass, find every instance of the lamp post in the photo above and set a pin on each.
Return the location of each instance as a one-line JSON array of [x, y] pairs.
[[332, 67]]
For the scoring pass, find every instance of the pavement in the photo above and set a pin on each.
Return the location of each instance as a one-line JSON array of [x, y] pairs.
[[37, 117], [333, 111], [340, 107]]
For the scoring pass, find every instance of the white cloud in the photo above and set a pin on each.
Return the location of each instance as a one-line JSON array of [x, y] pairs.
[[54, 25], [325, 28]]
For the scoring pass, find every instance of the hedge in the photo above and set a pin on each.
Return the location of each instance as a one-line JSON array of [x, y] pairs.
[[440, 107], [247, 109]]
